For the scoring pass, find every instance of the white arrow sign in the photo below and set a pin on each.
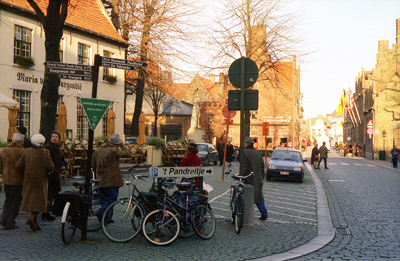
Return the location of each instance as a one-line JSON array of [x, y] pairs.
[[173, 172]]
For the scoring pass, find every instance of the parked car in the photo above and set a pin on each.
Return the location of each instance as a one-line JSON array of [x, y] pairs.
[[286, 163], [207, 153], [133, 140]]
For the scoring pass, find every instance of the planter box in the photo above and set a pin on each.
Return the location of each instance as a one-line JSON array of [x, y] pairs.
[[154, 156]]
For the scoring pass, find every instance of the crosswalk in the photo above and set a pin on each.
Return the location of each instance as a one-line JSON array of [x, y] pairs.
[[348, 164]]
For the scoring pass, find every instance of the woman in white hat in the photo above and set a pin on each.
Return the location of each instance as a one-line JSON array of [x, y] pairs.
[[35, 161]]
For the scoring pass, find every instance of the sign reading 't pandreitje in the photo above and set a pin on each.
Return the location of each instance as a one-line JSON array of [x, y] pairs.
[[94, 109]]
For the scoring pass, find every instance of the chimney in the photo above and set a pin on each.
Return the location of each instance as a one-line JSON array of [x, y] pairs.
[[211, 77]]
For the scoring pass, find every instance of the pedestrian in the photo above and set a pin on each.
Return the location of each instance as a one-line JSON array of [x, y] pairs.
[[54, 180], [220, 149], [105, 164], [27, 141], [190, 160], [35, 161], [315, 156], [359, 150], [229, 153], [253, 162], [340, 147], [323, 155], [395, 156], [12, 179]]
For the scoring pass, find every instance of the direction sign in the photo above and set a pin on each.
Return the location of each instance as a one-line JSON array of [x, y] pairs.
[[94, 109], [122, 64], [250, 100], [265, 128], [76, 77], [250, 72], [173, 172], [48, 64]]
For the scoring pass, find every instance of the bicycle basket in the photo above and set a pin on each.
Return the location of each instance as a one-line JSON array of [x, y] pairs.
[[77, 202]]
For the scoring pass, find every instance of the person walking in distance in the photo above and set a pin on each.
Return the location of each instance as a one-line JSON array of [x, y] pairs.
[[35, 161], [323, 155], [220, 149], [105, 164], [253, 162], [12, 179], [229, 153], [395, 156], [54, 180], [315, 156]]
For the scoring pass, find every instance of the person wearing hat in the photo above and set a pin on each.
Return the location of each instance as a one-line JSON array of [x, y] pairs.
[[12, 180], [54, 180], [35, 161], [253, 162], [105, 164], [190, 160]]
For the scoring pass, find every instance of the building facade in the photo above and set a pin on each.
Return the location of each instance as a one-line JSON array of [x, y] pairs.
[[377, 96], [87, 31]]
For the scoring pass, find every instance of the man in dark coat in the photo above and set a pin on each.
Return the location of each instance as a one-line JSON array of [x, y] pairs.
[[229, 153], [54, 180], [13, 179], [323, 155], [105, 164], [395, 156], [253, 162], [220, 149]]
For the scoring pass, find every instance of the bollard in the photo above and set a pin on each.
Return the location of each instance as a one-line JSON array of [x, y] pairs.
[[248, 210]]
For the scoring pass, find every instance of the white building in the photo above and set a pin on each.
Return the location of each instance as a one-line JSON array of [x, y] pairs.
[[87, 31]]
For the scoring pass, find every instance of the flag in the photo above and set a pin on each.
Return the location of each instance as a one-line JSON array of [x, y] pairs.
[[341, 105], [345, 99]]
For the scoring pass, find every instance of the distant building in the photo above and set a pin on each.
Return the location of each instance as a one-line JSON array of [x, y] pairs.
[[88, 31]]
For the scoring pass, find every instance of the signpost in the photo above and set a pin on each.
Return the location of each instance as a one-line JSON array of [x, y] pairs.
[[265, 130], [228, 115], [94, 109], [243, 73], [174, 172], [70, 71], [370, 127], [122, 64]]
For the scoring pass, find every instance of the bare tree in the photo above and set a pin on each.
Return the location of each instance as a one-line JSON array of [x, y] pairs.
[[53, 24], [259, 30], [158, 30]]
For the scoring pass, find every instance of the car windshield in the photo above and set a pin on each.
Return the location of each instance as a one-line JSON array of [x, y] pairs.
[[286, 155], [202, 147]]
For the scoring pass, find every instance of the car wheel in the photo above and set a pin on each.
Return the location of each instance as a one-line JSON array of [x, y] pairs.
[[268, 178]]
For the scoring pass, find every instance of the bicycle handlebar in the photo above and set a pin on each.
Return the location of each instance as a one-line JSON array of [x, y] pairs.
[[237, 176]]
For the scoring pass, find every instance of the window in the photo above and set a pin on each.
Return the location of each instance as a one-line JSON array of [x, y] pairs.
[[104, 122], [61, 50], [22, 43], [108, 73], [24, 113], [83, 54], [82, 124], [254, 133]]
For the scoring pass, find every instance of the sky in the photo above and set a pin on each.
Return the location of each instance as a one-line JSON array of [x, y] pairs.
[[343, 36]]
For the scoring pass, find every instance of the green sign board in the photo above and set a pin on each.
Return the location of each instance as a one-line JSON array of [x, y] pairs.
[[250, 72], [94, 109]]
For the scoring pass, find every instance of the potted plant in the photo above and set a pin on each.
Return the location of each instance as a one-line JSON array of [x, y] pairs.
[[154, 151], [26, 62]]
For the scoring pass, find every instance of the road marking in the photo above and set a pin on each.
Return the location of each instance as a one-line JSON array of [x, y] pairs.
[[371, 165], [335, 180], [217, 197], [343, 163], [358, 164], [285, 203], [332, 164]]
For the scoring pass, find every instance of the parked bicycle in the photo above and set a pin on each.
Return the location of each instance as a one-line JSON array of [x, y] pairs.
[[236, 199], [162, 226], [122, 220], [73, 212]]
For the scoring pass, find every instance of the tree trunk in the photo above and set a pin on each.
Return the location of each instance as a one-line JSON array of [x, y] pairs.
[[155, 125], [138, 105]]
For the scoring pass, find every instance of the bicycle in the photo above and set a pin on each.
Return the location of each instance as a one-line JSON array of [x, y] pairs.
[[122, 220], [236, 199], [73, 211], [162, 226]]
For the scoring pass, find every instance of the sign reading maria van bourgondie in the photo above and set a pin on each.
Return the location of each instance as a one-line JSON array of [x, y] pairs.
[[94, 109]]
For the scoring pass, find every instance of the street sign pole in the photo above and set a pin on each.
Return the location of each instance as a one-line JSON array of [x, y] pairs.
[[242, 116], [95, 78]]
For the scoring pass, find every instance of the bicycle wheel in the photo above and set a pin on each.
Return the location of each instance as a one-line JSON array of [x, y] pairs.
[[122, 221], [233, 204], [160, 229], [93, 223], [68, 224], [239, 214], [203, 221]]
